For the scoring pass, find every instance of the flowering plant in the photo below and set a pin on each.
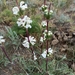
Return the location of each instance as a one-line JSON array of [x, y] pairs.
[[34, 36], [27, 24]]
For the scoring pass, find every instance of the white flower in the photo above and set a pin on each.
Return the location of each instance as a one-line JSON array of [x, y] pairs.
[[45, 31], [15, 10], [49, 33], [46, 11], [51, 11], [25, 42], [50, 51], [19, 22], [28, 26], [44, 23], [45, 34], [25, 22], [44, 37], [23, 6], [27, 19], [1, 39], [44, 54], [44, 6], [41, 39], [32, 40], [35, 58]]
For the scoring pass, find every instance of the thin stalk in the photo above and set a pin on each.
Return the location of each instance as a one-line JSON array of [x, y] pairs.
[[47, 47], [44, 5], [17, 3], [47, 39], [44, 2], [49, 7], [29, 42], [4, 51]]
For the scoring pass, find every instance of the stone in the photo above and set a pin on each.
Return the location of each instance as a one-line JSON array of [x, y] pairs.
[[63, 49], [65, 46], [72, 40], [74, 33], [54, 37], [73, 66], [65, 38], [59, 38], [57, 33], [69, 37], [54, 42]]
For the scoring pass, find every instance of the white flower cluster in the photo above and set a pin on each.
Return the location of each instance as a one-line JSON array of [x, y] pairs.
[[44, 23], [48, 12], [49, 33], [23, 6], [41, 39], [44, 54], [45, 34], [25, 22], [27, 42], [1, 39], [44, 7], [16, 9]]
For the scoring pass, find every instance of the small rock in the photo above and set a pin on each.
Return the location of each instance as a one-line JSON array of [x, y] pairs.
[[65, 38], [70, 33], [59, 38], [63, 34], [74, 33], [63, 49], [72, 40], [57, 33], [54, 37], [65, 46], [69, 37], [73, 66], [55, 41]]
